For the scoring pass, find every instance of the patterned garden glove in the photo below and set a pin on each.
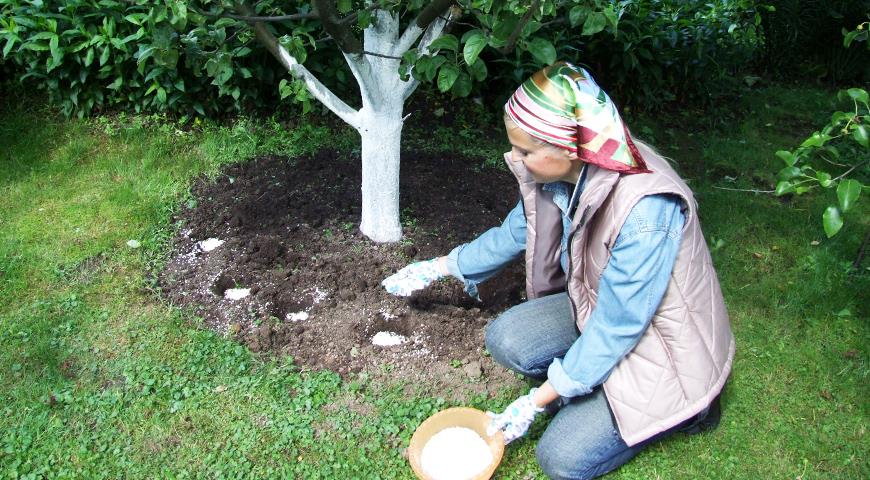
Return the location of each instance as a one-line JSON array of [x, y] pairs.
[[516, 418], [414, 277]]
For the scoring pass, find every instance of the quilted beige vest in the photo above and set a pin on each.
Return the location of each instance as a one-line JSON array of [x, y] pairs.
[[684, 357]]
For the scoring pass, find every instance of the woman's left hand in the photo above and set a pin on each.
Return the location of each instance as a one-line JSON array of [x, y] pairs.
[[516, 419]]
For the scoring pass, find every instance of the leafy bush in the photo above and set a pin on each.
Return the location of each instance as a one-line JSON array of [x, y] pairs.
[[840, 147], [94, 54], [662, 51], [837, 155], [168, 55], [803, 39]]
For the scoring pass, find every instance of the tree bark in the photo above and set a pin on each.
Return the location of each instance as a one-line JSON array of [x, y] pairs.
[[381, 135], [380, 129]]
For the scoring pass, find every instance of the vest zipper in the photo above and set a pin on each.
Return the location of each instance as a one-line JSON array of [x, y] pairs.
[[571, 262]]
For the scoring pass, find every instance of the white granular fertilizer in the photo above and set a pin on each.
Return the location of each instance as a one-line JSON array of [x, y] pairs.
[[455, 453], [236, 293], [297, 316], [210, 244], [388, 339]]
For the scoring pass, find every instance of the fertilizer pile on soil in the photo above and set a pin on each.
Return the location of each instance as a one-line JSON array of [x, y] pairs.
[[455, 453], [285, 233]]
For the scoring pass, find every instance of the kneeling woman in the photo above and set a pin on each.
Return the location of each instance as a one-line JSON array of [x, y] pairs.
[[625, 320]]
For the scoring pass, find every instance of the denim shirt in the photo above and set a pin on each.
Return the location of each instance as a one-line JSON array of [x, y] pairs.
[[630, 290]]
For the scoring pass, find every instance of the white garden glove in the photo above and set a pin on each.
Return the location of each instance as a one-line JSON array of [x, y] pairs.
[[415, 276], [516, 419]]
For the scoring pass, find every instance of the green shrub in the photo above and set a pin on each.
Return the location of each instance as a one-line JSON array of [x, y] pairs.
[[663, 51], [90, 55], [804, 40], [163, 56]]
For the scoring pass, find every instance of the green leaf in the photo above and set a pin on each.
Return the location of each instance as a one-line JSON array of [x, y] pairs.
[[447, 76], [432, 69], [838, 117], [89, 57], [54, 46], [478, 70], [786, 157], [576, 14], [104, 57], [543, 50], [364, 19], [224, 22], [10, 42], [784, 187], [343, 6], [595, 22], [848, 192], [462, 85], [858, 95], [832, 221], [445, 42], [116, 84], [505, 26], [161, 95], [815, 140], [788, 173], [135, 18], [284, 88], [824, 179], [473, 46], [860, 136]]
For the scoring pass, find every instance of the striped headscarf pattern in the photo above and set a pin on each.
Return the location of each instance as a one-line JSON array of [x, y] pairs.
[[563, 106]]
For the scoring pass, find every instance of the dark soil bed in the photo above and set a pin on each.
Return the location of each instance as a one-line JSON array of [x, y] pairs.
[[290, 235]]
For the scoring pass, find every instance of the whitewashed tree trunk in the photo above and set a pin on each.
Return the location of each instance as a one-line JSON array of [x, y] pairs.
[[380, 129], [381, 135], [379, 121]]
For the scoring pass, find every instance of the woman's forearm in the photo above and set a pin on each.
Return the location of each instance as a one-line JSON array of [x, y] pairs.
[[544, 395]]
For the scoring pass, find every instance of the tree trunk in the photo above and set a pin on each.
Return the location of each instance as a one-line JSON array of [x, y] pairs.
[[381, 134], [383, 93]]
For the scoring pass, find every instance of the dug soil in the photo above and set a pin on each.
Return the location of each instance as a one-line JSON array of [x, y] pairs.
[[294, 277]]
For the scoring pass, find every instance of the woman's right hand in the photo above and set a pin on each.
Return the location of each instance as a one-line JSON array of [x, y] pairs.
[[415, 276]]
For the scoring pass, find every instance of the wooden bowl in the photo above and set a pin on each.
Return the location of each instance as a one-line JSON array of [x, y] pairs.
[[455, 417]]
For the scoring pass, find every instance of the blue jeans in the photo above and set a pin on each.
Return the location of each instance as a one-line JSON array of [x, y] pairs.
[[582, 440]]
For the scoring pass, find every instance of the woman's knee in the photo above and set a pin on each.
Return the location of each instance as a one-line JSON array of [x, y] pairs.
[[498, 339], [507, 345], [567, 465]]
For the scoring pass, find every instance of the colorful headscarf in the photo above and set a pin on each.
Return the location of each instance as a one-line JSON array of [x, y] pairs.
[[563, 106]]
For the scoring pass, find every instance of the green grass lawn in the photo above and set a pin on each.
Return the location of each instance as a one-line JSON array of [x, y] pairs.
[[100, 379]]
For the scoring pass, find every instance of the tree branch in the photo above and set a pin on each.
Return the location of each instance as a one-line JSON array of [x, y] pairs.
[[744, 190], [512, 40], [276, 18], [423, 21], [851, 170], [317, 89], [341, 32], [392, 57], [256, 18], [435, 29], [431, 12]]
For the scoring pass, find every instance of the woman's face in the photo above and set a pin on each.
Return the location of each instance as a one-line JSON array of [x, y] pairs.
[[545, 162]]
